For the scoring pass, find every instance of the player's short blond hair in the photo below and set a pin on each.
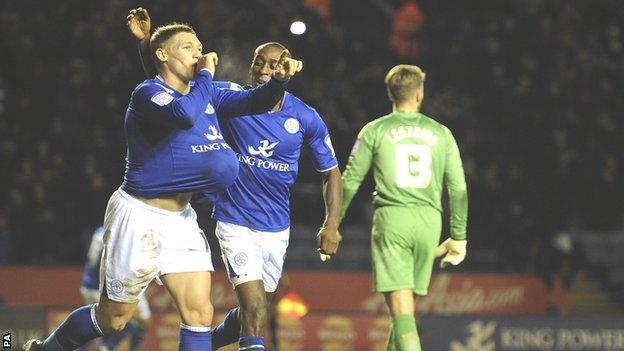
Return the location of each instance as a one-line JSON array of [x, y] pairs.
[[163, 33], [403, 81]]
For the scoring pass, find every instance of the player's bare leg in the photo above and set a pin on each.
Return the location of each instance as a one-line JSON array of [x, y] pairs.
[[229, 330], [404, 334], [272, 321], [112, 316], [191, 293], [80, 327], [253, 307]]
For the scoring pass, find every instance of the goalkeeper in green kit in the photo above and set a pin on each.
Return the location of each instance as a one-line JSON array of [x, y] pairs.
[[412, 156]]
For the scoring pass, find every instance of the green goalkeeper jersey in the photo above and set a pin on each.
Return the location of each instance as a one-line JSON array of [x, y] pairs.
[[412, 157]]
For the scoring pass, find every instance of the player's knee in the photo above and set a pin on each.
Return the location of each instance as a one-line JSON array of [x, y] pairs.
[[400, 302], [198, 315], [111, 325], [118, 324], [112, 321]]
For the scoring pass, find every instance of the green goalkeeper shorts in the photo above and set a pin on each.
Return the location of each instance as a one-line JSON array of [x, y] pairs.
[[403, 246]]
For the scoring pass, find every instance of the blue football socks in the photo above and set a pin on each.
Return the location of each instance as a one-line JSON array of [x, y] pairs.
[[195, 338], [228, 331], [251, 343], [78, 329]]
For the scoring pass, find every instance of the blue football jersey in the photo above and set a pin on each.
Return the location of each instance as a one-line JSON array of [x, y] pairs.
[[174, 141], [91, 273], [268, 147]]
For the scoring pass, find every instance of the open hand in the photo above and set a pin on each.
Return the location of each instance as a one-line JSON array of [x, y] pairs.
[[139, 24]]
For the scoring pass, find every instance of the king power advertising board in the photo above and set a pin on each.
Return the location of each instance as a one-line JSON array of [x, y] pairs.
[[522, 334]]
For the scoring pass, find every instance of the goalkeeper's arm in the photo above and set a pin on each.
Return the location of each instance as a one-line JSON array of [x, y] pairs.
[[454, 248]]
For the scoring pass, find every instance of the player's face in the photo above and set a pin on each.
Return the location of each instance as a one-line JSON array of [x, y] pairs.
[[264, 64], [183, 52]]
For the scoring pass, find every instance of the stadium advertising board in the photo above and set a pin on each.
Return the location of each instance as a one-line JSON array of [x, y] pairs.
[[448, 294], [522, 334], [322, 291], [351, 332]]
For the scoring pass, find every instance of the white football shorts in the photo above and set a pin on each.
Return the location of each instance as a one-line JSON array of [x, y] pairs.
[[142, 242], [92, 296], [252, 254]]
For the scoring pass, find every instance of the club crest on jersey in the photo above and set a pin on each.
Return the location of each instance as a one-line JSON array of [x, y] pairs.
[[291, 125], [265, 149], [209, 109], [240, 259], [214, 134]]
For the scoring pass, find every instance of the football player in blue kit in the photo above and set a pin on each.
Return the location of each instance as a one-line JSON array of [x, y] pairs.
[[253, 214], [175, 148]]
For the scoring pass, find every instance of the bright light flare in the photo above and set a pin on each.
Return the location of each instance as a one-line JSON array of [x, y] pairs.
[[297, 28]]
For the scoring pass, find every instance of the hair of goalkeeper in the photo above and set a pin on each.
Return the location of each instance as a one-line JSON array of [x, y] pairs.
[[403, 81]]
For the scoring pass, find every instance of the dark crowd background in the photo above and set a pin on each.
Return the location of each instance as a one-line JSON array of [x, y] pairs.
[[532, 89]]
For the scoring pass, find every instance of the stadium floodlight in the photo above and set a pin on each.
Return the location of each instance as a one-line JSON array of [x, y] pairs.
[[297, 27]]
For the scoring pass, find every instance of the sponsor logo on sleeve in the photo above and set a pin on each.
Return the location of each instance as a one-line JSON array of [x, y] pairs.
[[162, 99]]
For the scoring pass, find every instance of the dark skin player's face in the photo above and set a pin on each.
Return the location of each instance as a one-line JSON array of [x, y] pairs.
[[264, 64]]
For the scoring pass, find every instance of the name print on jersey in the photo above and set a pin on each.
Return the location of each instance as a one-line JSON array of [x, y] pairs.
[[401, 132]]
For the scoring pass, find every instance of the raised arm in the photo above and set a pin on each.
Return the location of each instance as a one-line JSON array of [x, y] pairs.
[[139, 25], [232, 103], [157, 103]]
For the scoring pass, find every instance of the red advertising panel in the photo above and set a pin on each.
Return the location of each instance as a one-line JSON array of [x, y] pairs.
[[448, 294], [323, 292]]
